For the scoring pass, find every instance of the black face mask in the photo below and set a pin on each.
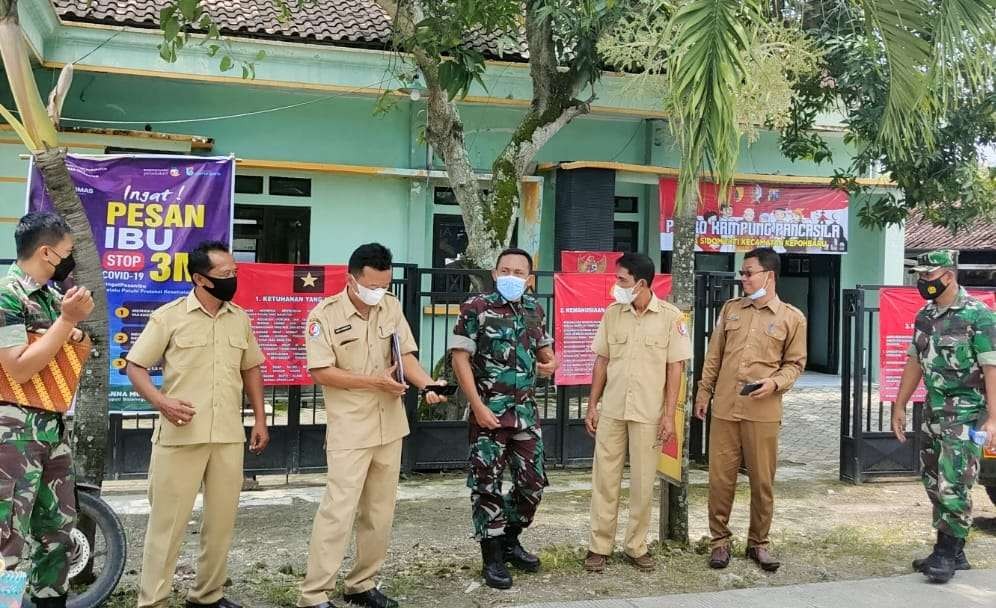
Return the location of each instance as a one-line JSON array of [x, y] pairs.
[[224, 289], [63, 268], [930, 290]]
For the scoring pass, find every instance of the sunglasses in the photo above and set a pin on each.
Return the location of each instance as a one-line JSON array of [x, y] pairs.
[[746, 274]]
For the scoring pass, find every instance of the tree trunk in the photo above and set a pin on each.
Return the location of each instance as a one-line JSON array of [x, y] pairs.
[[683, 294], [90, 416]]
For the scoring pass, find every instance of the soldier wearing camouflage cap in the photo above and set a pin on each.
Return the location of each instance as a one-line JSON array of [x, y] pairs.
[[500, 344], [954, 352]]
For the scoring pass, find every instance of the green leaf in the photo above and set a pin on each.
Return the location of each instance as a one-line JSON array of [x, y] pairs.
[[226, 63], [171, 28], [213, 50], [261, 55], [189, 9]]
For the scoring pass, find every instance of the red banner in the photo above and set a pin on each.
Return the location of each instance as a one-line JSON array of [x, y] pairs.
[[581, 300], [897, 311], [278, 298], [589, 261], [792, 219]]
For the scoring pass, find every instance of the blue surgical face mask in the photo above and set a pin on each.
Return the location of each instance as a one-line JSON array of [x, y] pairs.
[[511, 288]]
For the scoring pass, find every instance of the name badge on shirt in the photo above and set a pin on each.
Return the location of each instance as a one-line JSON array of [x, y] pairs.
[[343, 329]]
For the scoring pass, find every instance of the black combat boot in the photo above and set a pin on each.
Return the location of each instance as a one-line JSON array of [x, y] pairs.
[[940, 566], [49, 602], [515, 554], [495, 573], [961, 561]]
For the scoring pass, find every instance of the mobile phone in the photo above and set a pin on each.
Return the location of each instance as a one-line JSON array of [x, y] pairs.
[[750, 388], [440, 389]]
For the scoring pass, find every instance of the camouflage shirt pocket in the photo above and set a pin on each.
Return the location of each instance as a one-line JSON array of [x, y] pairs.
[[6, 508], [955, 352]]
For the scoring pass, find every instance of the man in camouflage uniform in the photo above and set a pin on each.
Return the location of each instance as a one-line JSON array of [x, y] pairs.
[[954, 352], [500, 344], [37, 499]]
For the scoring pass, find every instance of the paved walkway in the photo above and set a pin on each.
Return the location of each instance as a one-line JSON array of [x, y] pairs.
[[810, 436], [975, 588]]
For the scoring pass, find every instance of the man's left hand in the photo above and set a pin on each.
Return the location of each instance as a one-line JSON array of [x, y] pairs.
[[433, 398], [665, 429], [768, 387], [259, 438], [989, 426], [545, 369]]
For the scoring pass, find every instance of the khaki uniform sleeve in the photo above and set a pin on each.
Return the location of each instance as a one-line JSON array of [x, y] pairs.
[[714, 356], [405, 337], [253, 356], [794, 356], [151, 344], [600, 345], [679, 344], [318, 342]]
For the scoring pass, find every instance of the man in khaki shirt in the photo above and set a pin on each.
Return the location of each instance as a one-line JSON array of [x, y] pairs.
[[349, 344], [642, 344], [209, 354], [758, 347]]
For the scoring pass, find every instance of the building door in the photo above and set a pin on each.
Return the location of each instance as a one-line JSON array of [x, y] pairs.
[[270, 233], [811, 283]]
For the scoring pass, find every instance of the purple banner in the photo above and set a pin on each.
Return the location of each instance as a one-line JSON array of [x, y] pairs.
[[146, 213]]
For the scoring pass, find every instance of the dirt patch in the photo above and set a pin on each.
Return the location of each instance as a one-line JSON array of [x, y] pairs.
[[823, 531]]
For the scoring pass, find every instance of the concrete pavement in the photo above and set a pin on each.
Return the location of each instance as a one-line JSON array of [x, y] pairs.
[[971, 589]]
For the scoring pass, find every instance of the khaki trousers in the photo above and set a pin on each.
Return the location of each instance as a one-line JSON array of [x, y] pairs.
[[612, 438], [361, 484], [757, 444], [176, 474]]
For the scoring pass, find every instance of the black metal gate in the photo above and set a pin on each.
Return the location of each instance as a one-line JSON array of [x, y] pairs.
[[438, 439]]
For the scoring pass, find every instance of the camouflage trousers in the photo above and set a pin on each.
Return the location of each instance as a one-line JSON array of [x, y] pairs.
[[491, 451], [950, 467], [37, 502]]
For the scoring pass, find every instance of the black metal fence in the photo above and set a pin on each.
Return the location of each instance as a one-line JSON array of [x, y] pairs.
[[438, 439]]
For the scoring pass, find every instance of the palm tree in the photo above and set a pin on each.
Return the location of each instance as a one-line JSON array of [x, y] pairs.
[[37, 130]]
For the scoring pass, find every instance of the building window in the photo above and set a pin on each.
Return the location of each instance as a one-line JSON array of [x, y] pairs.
[[449, 242], [627, 204], [290, 186], [249, 184], [626, 236]]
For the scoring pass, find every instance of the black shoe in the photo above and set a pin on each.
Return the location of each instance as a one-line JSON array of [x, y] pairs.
[[961, 562], [49, 602], [222, 603], [515, 554], [495, 573], [940, 566], [371, 598]]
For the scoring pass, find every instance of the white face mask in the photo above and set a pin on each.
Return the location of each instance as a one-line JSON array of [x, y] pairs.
[[760, 293], [370, 297], [624, 295]]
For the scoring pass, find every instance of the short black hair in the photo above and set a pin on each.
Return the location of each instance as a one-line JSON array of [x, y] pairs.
[[639, 265], [199, 259], [710, 214], [515, 251], [36, 229], [767, 257], [373, 255]]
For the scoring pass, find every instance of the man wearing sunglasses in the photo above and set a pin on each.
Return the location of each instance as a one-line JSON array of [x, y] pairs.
[[756, 352]]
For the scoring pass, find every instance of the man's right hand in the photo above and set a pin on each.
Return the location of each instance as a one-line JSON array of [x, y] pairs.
[[388, 384], [702, 407], [484, 417], [591, 420], [177, 411], [77, 304], [899, 422]]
